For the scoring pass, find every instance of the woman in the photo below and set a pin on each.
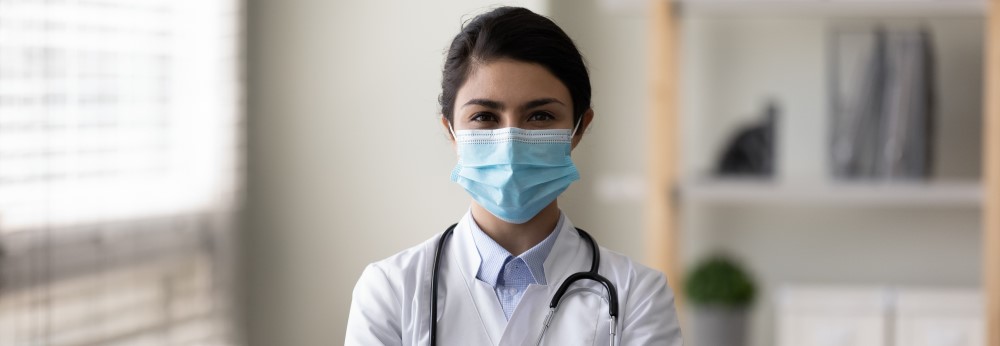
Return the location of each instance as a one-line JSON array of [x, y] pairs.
[[515, 99]]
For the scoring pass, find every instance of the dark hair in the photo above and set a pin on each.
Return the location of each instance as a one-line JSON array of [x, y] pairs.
[[519, 34]]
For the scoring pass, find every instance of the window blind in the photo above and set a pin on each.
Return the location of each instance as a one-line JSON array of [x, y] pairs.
[[120, 171]]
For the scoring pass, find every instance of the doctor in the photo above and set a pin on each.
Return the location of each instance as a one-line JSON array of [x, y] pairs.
[[515, 100]]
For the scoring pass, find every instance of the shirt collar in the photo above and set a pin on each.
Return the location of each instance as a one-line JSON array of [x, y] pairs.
[[494, 256]]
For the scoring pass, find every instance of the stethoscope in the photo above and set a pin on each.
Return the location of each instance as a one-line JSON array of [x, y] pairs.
[[588, 275]]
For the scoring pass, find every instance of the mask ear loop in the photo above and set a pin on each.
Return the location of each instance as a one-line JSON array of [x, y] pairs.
[[577, 127], [452, 130]]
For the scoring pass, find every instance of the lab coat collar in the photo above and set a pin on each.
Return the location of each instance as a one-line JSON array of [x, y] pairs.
[[483, 297], [469, 260], [565, 257]]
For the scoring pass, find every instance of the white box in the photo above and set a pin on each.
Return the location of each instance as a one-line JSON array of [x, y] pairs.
[[879, 316], [939, 317], [832, 316]]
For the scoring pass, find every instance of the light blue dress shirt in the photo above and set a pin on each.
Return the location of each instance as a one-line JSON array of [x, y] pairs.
[[508, 275]]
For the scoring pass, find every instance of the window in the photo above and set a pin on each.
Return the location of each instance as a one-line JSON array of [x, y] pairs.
[[120, 170]]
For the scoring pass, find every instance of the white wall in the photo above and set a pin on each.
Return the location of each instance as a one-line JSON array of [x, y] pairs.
[[347, 161]]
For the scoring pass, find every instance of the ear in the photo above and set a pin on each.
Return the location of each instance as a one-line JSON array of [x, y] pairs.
[[447, 129], [584, 125]]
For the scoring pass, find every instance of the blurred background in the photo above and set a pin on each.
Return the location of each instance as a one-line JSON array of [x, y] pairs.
[[219, 172], [122, 173]]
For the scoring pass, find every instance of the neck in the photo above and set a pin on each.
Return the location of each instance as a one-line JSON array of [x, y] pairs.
[[517, 238]]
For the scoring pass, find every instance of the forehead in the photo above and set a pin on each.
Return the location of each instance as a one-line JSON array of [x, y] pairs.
[[511, 81]]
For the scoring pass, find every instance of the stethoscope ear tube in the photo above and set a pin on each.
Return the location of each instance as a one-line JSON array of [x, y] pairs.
[[592, 275], [434, 282], [588, 275], [608, 286]]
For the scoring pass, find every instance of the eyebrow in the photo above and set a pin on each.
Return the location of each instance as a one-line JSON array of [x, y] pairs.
[[485, 103], [492, 104]]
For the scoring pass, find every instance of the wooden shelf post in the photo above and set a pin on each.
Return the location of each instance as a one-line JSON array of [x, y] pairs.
[[661, 215], [991, 175]]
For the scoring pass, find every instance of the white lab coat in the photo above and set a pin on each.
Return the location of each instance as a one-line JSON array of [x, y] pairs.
[[391, 303]]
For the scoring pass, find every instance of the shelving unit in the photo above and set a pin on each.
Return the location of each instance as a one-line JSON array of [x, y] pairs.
[[666, 133]]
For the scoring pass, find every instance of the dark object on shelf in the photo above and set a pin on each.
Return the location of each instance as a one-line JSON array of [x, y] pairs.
[[883, 103], [751, 151]]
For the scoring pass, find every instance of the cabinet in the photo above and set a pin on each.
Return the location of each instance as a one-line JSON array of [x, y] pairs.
[[964, 198], [879, 316], [938, 318], [832, 317]]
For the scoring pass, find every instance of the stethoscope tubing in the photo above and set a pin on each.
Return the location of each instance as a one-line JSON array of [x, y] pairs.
[[592, 274]]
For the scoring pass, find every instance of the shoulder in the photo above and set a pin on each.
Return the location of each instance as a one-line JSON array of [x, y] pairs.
[[630, 272], [406, 264], [380, 305], [379, 312]]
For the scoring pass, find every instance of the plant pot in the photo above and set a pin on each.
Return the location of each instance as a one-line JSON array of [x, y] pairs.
[[718, 326]]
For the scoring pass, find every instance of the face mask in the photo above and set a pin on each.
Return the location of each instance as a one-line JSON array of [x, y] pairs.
[[514, 173]]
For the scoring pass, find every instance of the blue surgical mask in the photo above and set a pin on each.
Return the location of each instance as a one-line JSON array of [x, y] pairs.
[[514, 173]]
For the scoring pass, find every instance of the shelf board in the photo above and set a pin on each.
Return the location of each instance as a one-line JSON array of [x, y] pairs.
[[741, 192], [834, 8]]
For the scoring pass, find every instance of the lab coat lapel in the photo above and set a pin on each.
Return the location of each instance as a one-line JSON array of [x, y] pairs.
[[526, 321], [483, 298]]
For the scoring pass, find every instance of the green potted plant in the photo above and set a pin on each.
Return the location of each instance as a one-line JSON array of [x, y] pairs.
[[720, 293]]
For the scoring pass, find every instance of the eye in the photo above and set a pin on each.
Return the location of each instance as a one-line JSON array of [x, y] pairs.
[[541, 116], [484, 117]]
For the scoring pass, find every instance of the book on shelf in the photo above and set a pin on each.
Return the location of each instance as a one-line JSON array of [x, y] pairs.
[[882, 104]]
